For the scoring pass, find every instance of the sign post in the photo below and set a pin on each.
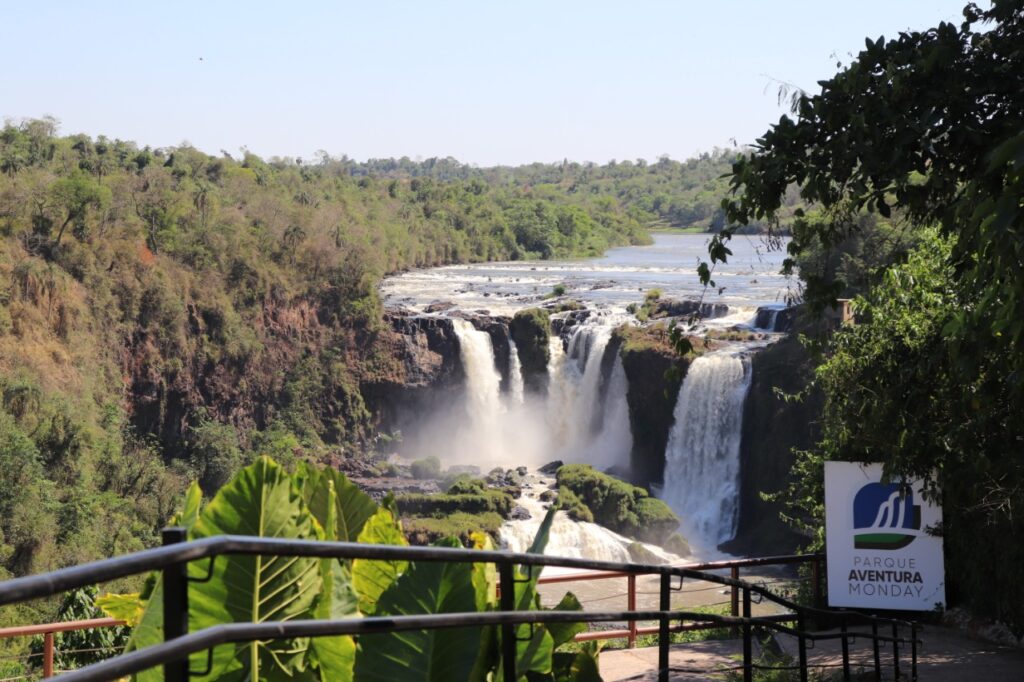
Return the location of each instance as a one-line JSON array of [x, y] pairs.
[[879, 553]]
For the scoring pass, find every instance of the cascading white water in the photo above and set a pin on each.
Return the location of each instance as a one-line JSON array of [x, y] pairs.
[[480, 434], [590, 422], [515, 373], [611, 445], [570, 538], [702, 460]]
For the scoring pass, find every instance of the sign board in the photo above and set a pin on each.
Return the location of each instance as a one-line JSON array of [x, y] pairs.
[[879, 553]]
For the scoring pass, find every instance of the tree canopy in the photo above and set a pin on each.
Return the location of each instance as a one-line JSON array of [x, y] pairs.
[[924, 132]]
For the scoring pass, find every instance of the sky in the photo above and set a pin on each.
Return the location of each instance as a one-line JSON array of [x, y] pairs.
[[487, 82]]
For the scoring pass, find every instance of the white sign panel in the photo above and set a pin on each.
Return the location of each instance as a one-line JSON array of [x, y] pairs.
[[879, 553]]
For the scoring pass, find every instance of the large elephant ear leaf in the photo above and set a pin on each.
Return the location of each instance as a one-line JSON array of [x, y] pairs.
[[334, 657], [534, 644], [260, 501], [439, 655], [563, 633], [371, 577], [485, 575], [186, 518], [353, 507]]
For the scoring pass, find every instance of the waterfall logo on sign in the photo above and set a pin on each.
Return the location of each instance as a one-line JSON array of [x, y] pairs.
[[885, 517]]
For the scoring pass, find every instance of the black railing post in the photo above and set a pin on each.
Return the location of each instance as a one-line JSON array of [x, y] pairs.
[[664, 604], [895, 651], [175, 585], [913, 652], [748, 649], [846, 653], [802, 646], [508, 631], [877, 652]]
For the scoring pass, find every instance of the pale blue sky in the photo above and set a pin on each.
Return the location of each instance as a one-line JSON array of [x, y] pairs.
[[485, 81]]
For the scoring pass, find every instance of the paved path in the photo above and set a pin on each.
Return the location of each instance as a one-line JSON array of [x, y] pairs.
[[688, 661], [945, 656]]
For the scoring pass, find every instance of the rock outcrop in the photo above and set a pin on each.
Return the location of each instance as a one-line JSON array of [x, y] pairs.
[[772, 428], [531, 330], [430, 369], [668, 307], [647, 358], [776, 319]]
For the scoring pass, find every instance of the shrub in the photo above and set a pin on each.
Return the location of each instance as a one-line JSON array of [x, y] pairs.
[[465, 484], [573, 505], [623, 507], [428, 467], [428, 529], [418, 504]]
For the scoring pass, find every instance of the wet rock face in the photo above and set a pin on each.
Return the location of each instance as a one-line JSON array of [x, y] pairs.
[[429, 350], [668, 307], [772, 428], [776, 319], [498, 329], [647, 358], [429, 369], [564, 324], [531, 330]]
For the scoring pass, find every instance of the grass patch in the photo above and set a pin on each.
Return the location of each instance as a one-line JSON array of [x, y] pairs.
[[425, 530]]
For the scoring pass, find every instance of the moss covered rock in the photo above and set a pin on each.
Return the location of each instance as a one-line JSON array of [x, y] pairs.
[[531, 330], [654, 371], [618, 505]]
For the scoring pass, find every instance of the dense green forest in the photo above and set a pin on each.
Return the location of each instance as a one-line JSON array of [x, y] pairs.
[[167, 314], [911, 164]]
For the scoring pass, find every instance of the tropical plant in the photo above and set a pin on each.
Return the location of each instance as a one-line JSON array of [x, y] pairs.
[[264, 500]]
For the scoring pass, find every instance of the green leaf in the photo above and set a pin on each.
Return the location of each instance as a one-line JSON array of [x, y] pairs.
[[372, 578], [440, 655], [186, 518], [261, 501], [126, 607], [353, 507], [562, 633], [334, 657], [579, 667]]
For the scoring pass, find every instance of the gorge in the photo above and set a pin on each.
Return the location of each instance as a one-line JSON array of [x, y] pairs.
[[570, 361]]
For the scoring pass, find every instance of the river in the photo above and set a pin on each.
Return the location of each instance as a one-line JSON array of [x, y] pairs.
[[584, 416]]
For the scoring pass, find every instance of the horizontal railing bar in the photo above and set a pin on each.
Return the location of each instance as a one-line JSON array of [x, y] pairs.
[[136, 661], [143, 659], [65, 579], [781, 560], [66, 626]]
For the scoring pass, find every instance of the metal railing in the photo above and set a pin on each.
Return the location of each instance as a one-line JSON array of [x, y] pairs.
[[173, 557], [732, 565], [48, 630]]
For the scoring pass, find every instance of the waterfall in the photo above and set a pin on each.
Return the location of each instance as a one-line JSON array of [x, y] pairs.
[[588, 419], [515, 373], [479, 436], [611, 445], [561, 392], [702, 460], [569, 538]]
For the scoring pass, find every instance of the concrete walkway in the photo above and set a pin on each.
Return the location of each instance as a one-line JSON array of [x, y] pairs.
[[688, 661], [945, 656]]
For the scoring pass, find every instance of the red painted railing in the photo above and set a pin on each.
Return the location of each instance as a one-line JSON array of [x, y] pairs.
[[733, 565], [47, 630]]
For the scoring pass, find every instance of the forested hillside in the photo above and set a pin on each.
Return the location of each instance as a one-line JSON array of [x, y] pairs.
[[667, 193], [166, 315]]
